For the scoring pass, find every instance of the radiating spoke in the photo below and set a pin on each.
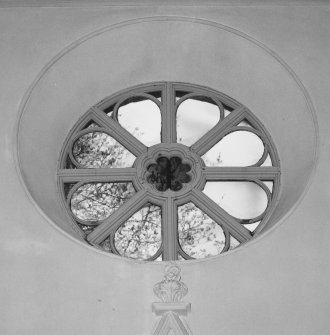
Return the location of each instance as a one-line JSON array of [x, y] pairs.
[[170, 230], [119, 133], [206, 142], [168, 116], [217, 214], [240, 173], [97, 175]]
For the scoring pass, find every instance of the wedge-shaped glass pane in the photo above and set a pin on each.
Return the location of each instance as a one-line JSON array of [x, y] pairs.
[[91, 124], [142, 119], [243, 200], [85, 228], [99, 150], [252, 226], [67, 188], [106, 245], [267, 162], [156, 94], [194, 119], [96, 201], [179, 94], [233, 243], [199, 235], [69, 164], [227, 112], [109, 110], [245, 123], [140, 236], [240, 148], [270, 185]]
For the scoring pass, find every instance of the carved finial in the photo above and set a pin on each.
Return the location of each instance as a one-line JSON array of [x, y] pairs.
[[171, 289]]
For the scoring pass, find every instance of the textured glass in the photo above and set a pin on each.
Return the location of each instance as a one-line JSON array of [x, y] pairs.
[[99, 150], [194, 119], [240, 148], [142, 119], [243, 200], [96, 201], [199, 235], [140, 236]]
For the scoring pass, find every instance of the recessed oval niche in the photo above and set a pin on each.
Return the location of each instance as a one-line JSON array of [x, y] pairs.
[[118, 57]]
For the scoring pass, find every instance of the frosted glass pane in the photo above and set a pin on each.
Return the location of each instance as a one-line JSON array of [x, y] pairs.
[[143, 120], [243, 200], [194, 119], [240, 148]]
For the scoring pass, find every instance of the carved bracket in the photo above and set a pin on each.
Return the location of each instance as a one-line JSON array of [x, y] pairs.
[[171, 309]]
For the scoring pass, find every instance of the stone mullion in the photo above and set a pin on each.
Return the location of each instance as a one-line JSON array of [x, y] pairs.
[[168, 115], [120, 134], [217, 214], [119, 217], [170, 230], [240, 173], [212, 137], [97, 175]]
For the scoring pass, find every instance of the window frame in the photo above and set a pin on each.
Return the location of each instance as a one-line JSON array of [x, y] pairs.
[[170, 247]]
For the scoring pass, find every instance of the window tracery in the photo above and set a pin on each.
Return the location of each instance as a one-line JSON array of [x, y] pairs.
[[169, 171]]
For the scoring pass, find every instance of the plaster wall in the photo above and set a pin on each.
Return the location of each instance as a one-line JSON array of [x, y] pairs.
[[51, 283]]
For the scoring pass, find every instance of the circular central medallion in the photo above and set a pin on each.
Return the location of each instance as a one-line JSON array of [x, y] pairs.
[[168, 173], [169, 170]]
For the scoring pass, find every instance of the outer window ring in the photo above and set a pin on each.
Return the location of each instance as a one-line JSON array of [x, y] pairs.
[[269, 147]]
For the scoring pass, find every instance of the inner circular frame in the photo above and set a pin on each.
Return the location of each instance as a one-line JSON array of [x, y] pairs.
[[169, 150], [168, 173]]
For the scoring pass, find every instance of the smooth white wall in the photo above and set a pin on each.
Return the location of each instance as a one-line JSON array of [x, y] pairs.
[[55, 285]]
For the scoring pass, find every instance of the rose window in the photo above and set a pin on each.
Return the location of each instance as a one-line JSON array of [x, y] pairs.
[[168, 171]]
